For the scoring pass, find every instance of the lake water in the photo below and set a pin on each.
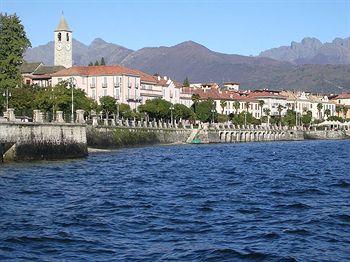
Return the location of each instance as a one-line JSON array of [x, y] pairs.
[[277, 201]]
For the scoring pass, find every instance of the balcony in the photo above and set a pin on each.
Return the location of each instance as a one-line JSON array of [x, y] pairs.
[[134, 99]]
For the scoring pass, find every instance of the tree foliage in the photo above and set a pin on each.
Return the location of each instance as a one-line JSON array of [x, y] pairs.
[[204, 110], [49, 100], [156, 108], [186, 82], [102, 61], [183, 112], [108, 105], [13, 43]]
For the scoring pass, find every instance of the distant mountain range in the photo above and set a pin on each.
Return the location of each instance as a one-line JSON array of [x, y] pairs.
[[302, 66], [312, 51]]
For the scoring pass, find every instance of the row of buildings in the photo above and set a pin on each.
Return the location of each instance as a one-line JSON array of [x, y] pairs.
[[134, 87]]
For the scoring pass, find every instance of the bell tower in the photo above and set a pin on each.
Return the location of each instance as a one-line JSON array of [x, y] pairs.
[[63, 45]]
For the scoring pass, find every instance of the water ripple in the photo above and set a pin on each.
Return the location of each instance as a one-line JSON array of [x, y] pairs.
[[281, 201]]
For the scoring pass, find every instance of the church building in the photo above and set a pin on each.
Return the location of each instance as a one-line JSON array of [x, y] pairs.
[[63, 45]]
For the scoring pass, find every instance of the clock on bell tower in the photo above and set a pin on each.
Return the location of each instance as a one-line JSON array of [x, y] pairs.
[[63, 45]]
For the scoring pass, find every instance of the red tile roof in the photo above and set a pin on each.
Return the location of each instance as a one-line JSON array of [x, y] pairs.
[[343, 96], [104, 71], [219, 95], [266, 94]]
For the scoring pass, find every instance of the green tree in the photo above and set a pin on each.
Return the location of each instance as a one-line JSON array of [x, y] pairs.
[[108, 105], [13, 44], [236, 106], [280, 109], [327, 112], [186, 82], [91, 64], [261, 105], [223, 104], [246, 105], [289, 118], [183, 112], [102, 61], [319, 109], [267, 112], [204, 110], [306, 119], [22, 100], [345, 111], [338, 109], [96, 63], [195, 99], [156, 108], [125, 111]]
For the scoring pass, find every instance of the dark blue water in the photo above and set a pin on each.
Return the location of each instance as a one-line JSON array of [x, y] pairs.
[[279, 201]]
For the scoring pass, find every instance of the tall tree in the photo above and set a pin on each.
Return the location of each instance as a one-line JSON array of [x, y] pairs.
[[267, 112], [223, 104], [327, 112], [195, 99], [345, 111], [96, 63], [13, 44], [319, 108], [108, 105], [91, 64], [261, 104], [280, 109], [102, 61], [247, 104], [236, 105], [186, 82]]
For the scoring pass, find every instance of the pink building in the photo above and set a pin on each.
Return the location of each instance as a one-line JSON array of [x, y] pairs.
[[126, 85]]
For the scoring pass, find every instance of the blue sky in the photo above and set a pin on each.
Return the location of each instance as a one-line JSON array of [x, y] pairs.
[[235, 27]]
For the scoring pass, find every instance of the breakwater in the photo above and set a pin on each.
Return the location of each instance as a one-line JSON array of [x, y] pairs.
[[33, 141]]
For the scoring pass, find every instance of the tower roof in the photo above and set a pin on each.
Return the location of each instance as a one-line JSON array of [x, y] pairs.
[[63, 26]]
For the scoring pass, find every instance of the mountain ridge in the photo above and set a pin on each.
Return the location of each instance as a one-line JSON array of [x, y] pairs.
[[200, 64]]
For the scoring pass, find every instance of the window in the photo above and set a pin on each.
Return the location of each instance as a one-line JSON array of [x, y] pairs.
[[104, 84], [93, 82], [59, 37], [116, 93], [67, 37], [93, 94], [84, 80], [105, 92], [59, 80]]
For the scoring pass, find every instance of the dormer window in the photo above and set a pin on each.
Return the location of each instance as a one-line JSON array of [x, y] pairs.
[[59, 37], [67, 37]]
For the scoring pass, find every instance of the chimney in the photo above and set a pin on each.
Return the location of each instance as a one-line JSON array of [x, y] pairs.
[[165, 78]]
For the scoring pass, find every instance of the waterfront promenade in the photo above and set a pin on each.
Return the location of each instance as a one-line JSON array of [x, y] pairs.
[[54, 140]]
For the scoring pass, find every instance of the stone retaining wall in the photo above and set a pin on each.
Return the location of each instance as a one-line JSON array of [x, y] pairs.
[[327, 134], [30, 141], [116, 137]]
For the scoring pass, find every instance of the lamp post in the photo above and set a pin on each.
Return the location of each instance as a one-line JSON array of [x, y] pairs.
[[7, 94], [171, 113], [72, 83]]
